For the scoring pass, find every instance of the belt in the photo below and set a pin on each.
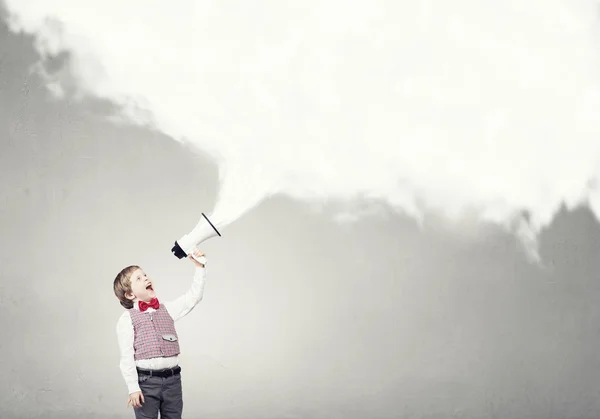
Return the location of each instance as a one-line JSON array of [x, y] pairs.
[[167, 372]]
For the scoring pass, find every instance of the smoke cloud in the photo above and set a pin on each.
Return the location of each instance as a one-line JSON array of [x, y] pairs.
[[466, 107]]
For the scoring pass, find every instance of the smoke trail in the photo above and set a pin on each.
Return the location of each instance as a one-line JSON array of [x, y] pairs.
[[448, 106]]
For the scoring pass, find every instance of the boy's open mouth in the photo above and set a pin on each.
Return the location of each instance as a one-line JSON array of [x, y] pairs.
[[149, 287]]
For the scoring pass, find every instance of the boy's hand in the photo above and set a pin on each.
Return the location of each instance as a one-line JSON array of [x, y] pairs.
[[197, 253], [136, 399]]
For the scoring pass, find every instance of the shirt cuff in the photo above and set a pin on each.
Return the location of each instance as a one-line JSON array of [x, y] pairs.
[[200, 272], [133, 387]]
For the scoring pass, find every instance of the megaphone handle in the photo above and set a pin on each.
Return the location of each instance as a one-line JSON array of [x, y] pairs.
[[200, 259]]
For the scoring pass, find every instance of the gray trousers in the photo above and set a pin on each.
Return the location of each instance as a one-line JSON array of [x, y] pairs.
[[161, 394]]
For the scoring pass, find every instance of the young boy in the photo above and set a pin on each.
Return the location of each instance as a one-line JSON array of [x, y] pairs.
[[149, 343]]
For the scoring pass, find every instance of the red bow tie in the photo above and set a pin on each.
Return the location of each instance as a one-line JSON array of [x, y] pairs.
[[144, 305]]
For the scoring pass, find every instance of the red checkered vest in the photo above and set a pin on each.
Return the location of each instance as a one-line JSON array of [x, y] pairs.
[[153, 334]]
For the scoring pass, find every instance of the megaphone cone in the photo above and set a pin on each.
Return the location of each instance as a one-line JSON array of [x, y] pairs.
[[203, 231]]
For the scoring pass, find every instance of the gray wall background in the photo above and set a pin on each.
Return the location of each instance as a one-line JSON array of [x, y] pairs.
[[302, 317]]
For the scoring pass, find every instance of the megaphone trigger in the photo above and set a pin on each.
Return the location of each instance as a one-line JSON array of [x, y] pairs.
[[201, 259]]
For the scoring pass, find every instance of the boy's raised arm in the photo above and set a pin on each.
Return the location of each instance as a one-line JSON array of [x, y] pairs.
[[127, 362], [181, 306]]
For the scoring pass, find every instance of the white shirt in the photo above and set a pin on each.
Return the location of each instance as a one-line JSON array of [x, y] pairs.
[[177, 309]]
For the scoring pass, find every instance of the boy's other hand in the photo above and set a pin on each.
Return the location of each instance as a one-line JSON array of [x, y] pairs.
[[136, 399], [197, 253]]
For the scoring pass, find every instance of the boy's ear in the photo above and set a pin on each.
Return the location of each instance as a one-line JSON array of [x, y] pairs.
[[129, 296]]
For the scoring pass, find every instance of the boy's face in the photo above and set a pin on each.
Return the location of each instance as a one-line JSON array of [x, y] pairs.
[[141, 286]]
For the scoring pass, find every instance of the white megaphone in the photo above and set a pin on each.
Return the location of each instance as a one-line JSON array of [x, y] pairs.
[[204, 230]]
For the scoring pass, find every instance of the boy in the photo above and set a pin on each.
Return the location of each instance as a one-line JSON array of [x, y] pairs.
[[149, 343]]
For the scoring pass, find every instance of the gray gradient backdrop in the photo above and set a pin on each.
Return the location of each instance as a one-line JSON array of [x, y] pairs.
[[302, 317]]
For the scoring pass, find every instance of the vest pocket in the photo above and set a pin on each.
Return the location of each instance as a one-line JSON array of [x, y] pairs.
[[169, 337]]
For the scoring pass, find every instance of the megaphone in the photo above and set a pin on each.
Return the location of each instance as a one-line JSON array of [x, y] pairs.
[[203, 231]]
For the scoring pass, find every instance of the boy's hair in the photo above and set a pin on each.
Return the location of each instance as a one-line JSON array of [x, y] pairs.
[[122, 285]]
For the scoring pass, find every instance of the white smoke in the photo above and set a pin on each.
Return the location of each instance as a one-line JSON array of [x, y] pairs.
[[453, 106]]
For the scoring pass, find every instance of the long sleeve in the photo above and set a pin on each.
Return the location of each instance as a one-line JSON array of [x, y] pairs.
[[181, 306], [127, 364]]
